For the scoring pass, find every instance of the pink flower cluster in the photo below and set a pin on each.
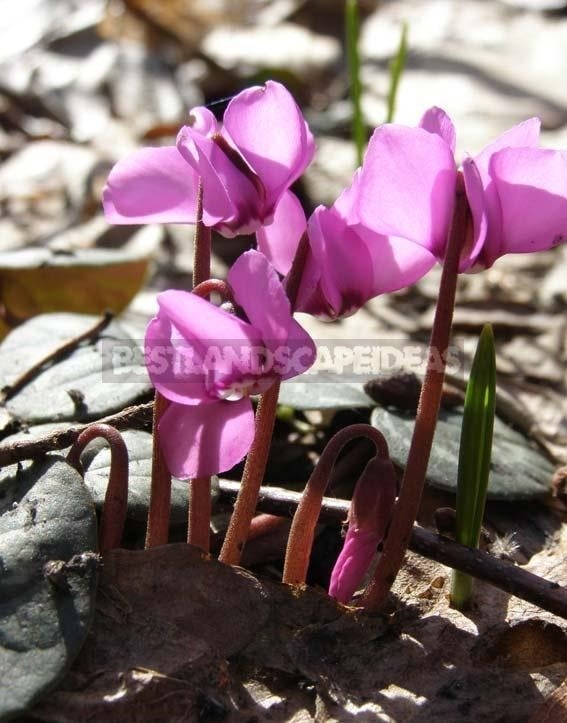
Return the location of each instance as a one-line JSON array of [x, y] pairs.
[[209, 424], [245, 166], [383, 233], [391, 226]]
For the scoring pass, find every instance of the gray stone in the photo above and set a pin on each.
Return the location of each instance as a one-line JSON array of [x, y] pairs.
[[518, 471]]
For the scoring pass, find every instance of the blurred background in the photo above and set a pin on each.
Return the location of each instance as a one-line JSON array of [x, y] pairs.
[[82, 82]]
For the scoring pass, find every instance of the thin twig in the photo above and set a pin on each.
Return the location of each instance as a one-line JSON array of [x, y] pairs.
[[61, 351], [504, 575], [138, 416]]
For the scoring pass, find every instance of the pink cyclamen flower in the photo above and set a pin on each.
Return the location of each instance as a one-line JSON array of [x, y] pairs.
[[369, 515], [207, 362], [391, 226], [246, 166]]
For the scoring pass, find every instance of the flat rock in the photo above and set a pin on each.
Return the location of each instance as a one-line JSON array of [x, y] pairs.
[[518, 470]]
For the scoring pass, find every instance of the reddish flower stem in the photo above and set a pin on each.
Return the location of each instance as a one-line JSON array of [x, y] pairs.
[[157, 531], [407, 506], [211, 286], [305, 519], [160, 496], [257, 458], [116, 498], [199, 522], [252, 476], [201, 244]]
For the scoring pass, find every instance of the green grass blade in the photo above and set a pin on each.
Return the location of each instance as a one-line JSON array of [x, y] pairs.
[[397, 65], [352, 27], [474, 455]]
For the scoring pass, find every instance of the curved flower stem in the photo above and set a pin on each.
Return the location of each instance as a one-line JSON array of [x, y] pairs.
[[305, 519], [504, 575], [199, 522], [407, 506], [254, 469], [116, 498], [211, 286]]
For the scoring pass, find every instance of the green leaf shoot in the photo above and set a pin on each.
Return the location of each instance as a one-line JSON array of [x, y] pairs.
[[474, 456]]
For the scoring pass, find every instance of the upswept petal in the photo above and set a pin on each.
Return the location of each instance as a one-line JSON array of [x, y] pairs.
[[259, 292], [267, 127], [407, 186], [216, 172], [152, 185], [173, 366], [200, 321], [346, 203], [278, 241], [199, 441], [523, 135], [478, 246], [203, 121], [531, 184], [310, 298], [435, 120]]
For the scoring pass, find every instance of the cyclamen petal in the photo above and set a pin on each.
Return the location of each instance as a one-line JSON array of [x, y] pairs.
[[199, 441], [230, 199], [267, 127], [245, 167], [278, 241], [207, 362], [200, 322], [152, 185], [345, 268], [197, 151], [477, 247], [352, 563], [173, 366], [435, 120], [259, 291], [407, 186], [534, 213]]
